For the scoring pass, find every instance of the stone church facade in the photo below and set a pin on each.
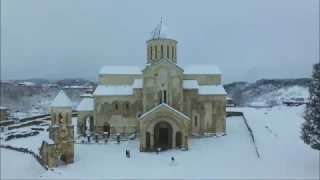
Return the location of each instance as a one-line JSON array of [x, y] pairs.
[[163, 102]]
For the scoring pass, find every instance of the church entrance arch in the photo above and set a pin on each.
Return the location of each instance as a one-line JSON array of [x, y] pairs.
[[178, 139], [163, 135], [62, 160], [148, 140], [106, 128]]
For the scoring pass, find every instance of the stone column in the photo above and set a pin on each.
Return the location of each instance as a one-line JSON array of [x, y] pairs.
[[174, 139], [151, 141]]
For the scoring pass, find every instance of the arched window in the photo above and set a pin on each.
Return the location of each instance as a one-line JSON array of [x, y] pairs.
[[195, 121], [162, 51], [116, 106], [150, 52], [160, 97], [60, 118], [139, 115], [127, 105], [165, 96], [168, 51], [172, 51], [156, 53]]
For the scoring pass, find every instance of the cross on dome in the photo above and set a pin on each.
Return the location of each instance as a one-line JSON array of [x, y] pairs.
[[160, 32]]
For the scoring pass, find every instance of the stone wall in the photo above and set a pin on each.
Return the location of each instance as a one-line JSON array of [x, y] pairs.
[[26, 150]]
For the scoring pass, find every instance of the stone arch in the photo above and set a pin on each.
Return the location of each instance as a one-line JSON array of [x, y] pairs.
[[127, 107], [149, 81], [62, 159], [148, 140], [160, 69], [115, 105], [98, 108], [106, 128], [176, 81]]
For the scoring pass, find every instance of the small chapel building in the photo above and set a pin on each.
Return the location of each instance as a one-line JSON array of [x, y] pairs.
[[163, 102]]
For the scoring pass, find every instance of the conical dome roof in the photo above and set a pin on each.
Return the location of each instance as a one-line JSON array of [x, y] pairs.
[[61, 100], [160, 32]]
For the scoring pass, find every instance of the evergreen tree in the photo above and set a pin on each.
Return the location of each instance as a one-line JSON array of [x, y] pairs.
[[310, 133]]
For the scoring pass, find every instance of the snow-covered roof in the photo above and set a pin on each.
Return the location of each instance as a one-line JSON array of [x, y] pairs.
[[137, 83], [190, 84], [115, 90], [167, 106], [258, 104], [211, 89], [2, 107], [160, 32], [202, 69], [61, 100], [86, 95], [86, 104], [120, 70]]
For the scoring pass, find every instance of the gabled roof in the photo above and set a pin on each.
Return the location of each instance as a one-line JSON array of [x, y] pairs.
[[86, 104], [165, 106], [120, 70], [160, 32], [163, 59], [61, 100]]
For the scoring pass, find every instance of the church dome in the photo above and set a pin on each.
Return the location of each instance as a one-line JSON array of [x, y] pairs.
[[160, 32]]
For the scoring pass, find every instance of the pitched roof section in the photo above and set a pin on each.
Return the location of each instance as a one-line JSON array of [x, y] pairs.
[[160, 32], [163, 59], [61, 100], [120, 70], [86, 105], [211, 90], [120, 90], [166, 106], [202, 69]]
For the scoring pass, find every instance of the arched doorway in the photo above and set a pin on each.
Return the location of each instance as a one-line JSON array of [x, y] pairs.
[[106, 128], [62, 160], [148, 140], [178, 139], [163, 135], [89, 124]]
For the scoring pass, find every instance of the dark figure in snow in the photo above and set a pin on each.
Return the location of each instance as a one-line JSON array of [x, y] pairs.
[[127, 153], [158, 150], [172, 159], [172, 163]]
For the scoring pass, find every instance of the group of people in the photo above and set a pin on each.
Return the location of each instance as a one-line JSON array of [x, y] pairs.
[[158, 150]]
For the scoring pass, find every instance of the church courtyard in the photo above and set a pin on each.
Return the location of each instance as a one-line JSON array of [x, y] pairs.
[[282, 154]]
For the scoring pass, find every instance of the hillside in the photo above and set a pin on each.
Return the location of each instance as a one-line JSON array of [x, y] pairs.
[[268, 91], [36, 94]]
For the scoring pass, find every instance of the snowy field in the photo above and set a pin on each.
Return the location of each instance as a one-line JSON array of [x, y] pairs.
[[282, 154]]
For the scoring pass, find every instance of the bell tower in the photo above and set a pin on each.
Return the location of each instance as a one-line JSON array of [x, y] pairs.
[[161, 44]]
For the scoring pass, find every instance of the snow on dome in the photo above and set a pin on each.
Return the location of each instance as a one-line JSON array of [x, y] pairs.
[[212, 90], [120, 70], [115, 90], [160, 32], [86, 105], [202, 69], [61, 100]]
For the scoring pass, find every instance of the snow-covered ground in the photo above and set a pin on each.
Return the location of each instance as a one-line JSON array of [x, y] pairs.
[[282, 154]]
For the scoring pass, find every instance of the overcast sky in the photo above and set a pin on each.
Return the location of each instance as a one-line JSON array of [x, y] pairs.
[[247, 39]]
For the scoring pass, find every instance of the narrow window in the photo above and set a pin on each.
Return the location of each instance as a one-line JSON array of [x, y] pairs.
[[175, 54], [195, 121], [162, 51], [60, 118], [156, 53], [160, 97], [139, 115], [165, 96], [172, 51], [116, 106], [127, 105], [168, 51], [150, 52]]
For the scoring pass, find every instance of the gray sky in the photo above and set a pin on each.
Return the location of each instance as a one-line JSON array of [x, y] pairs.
[[247, 39]]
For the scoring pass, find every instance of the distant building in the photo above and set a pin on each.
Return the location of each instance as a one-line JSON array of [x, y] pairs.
[[5, 113], [230, 102], [259, 105], [295, 101]]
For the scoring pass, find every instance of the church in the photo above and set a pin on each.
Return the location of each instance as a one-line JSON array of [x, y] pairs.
[[162, 102]]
